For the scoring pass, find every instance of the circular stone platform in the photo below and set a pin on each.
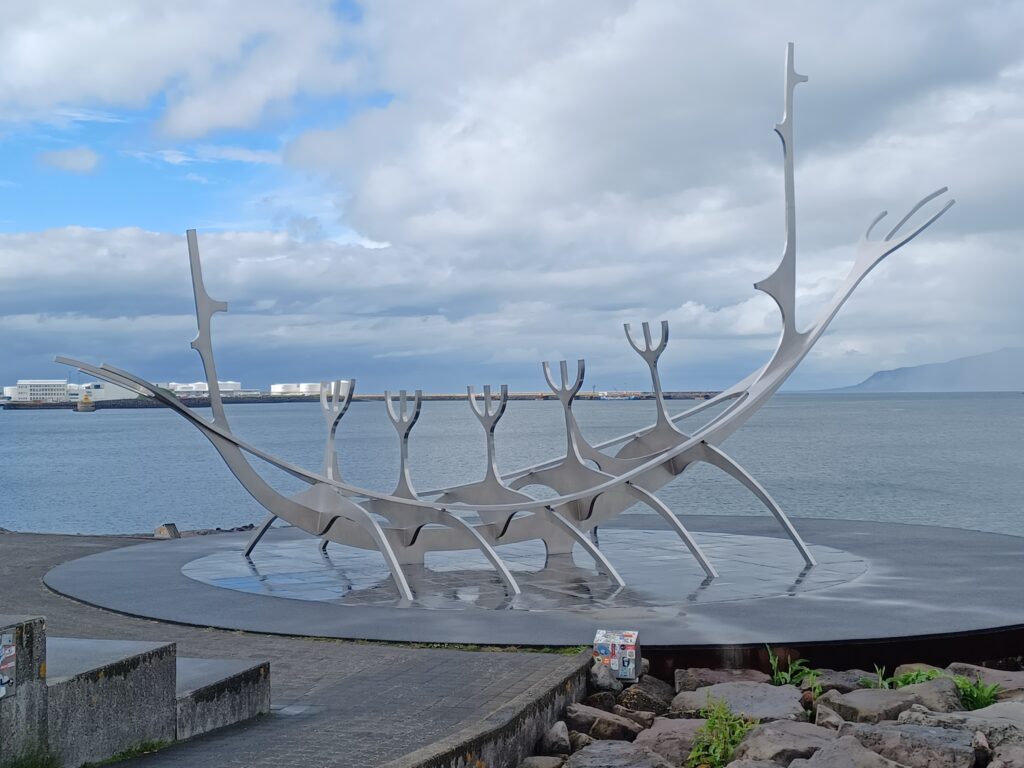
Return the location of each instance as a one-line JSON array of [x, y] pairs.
[[875, 582]]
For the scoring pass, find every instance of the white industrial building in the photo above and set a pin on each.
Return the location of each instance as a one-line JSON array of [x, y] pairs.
[[40, 391], [99, 390], [201, 388], [305, 388]]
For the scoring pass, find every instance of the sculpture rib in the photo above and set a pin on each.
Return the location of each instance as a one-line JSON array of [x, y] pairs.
[[645, 460]]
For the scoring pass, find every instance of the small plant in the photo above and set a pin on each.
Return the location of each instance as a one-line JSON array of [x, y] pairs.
[[878, 681], [914, 677], [717, 739], [977, 694], [812, 682], [795, 673]]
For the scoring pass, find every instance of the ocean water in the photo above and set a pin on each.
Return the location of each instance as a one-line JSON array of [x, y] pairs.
[[954, 460]]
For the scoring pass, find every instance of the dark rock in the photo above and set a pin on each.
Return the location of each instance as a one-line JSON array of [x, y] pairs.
[[939, 695], [845, 752], [758, 701], [917, 746], [616, 754], [643, 719], [1008, 756], [600, 700], [542, 762], [826, 717], [600, 724], [555, 740], [1002, 723], [692, 678], [752, 764], [641, 699], [579, 740], [600, 678], [659, 689], [842, 680], [783, 740], [869, 705], [916, 666], [671, 738]]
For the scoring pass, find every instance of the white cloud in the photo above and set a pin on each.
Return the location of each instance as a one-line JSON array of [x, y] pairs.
[[74, 160], [222, 64]]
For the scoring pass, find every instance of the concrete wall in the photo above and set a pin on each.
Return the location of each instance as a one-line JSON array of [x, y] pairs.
[[229, 701], [102, 712], [509, 735], [23, 712]]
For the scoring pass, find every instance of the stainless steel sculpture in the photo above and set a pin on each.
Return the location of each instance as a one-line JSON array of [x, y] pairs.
[[592, 483]]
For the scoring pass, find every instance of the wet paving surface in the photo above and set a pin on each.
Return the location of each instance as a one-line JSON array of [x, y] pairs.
[[658, 569]]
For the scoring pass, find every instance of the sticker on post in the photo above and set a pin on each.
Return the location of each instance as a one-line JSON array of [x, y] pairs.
[[8, 664]]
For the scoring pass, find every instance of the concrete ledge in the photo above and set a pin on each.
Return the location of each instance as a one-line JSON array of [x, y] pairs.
[[508, 735], [106, 696], [23, 706], [214, 693]]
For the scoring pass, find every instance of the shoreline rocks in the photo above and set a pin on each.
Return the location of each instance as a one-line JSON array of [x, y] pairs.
[[652, 724]]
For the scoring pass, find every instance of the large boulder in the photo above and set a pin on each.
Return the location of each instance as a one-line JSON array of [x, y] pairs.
[[600, 724], [870, 705], [692, 678], [915, 666], [616, 754], [1008, 756], [672, 738], [842, 680], [579, 740], [648, 694], [1002, 723], [783, 740], [555, 740], [845, 752], [1011, 684], [939, 695], [657, 688], [827, 717], [542, 762], [917, 746], [600, 678], [758, 701], [643, 719], [600, 700]]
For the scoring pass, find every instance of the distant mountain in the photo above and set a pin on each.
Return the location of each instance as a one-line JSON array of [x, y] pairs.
[[1000, 371]]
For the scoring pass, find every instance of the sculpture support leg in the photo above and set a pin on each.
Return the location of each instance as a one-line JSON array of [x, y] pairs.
[[717, 458], [259, 533], [676, 524], [488, 550], [560, 520]]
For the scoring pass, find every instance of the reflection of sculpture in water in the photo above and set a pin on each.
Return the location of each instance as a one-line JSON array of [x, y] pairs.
[[592, 483]]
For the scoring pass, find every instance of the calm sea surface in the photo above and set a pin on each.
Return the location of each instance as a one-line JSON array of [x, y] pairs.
[[955, 460]]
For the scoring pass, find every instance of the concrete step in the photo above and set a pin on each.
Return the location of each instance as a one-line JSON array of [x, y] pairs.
[[214, 693], [107, 696]]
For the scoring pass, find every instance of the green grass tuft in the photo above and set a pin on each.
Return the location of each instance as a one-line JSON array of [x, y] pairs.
[[716, 741]]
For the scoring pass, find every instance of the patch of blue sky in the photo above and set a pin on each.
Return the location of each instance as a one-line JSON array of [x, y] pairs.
[[231, 180]]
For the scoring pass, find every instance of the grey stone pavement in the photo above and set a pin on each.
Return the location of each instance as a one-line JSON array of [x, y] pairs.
[[335, 703]]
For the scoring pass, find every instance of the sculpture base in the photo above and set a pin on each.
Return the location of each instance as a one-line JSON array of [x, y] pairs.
[[876, 583]]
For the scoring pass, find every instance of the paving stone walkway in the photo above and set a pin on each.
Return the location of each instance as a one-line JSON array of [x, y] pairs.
[[335, 703]]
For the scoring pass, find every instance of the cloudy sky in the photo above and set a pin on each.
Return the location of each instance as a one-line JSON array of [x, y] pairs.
[[435, 194]]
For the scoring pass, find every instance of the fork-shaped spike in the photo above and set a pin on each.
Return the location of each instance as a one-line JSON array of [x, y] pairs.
[[873, 251], [651, 352], [489, 417], [335, 398], [566, 392], [403, 421]]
